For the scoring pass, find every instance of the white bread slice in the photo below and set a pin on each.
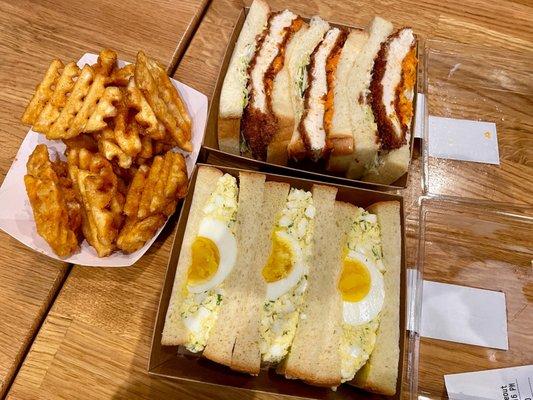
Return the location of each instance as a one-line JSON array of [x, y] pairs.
[[232, 95], [390, 167], [364, 128], [314, 355], [287, 91], [380, 373], [246, 352], [224, 333], [340, 133], [174, 331], [282, 106]]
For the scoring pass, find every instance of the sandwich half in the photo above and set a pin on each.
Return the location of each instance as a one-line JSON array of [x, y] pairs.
[[234, 339], [392, 88], [208, 255], [364, 128], [290, 84], [314, 355], [285, 273], [311, 138], [380, 373], [260, 124], [351, 308], [234, 93]]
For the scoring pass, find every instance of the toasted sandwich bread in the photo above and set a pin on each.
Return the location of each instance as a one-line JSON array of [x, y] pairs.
[[392, 89], [315, 121], [260, 124], [234, 89], [380, 373], [174, 331], [314, 355], [364, 128], [340, 132]]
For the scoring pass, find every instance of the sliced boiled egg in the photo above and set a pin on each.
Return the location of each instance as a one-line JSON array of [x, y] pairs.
[[214, 252], [362, 289], [285, 266]]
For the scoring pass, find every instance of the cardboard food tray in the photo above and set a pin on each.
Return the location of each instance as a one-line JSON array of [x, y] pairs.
[[177, 363], [210, 144]]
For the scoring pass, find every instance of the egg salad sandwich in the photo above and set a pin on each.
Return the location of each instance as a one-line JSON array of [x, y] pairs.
[[285, 273], [351, 306], [257, 324], [392, 88], [207, 257], [234, 94], [235, 338], [311, 138]]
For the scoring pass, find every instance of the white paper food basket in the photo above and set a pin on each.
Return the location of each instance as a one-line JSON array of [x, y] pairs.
[[16, 216]]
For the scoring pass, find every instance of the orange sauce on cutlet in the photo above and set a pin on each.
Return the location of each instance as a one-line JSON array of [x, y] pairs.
[[331, 66], [279, 61], [408, 80]]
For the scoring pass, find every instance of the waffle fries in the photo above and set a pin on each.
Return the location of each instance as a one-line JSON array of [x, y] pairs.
[[151, 198], [55, 207], [121, 180]]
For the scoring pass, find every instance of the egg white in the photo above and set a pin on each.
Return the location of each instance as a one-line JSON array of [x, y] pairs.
[[368, 308], [219, 233], [282, 286]]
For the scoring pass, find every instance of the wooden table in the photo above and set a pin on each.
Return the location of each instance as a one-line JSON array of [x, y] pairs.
[[32, 34], [95, 340]]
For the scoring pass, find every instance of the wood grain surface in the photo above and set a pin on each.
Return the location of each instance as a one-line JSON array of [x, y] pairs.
[[95, 341], [32, 33]]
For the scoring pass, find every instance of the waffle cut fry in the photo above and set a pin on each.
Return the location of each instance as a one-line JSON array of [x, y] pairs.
[[151, 199], [55, 207], [164, 100], [97, 187], [69, 101]]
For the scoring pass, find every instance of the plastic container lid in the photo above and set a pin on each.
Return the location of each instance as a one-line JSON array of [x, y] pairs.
[[481, 84], [487, 247]]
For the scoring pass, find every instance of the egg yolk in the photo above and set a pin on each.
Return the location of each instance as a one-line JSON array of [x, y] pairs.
[[354, 283], [205, 260], [279, 263]]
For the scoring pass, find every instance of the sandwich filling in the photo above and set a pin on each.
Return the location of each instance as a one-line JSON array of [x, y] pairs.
[[318, 96], [259, 124], [213, 255], [286, 275], [392, 88], [362, 289]]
